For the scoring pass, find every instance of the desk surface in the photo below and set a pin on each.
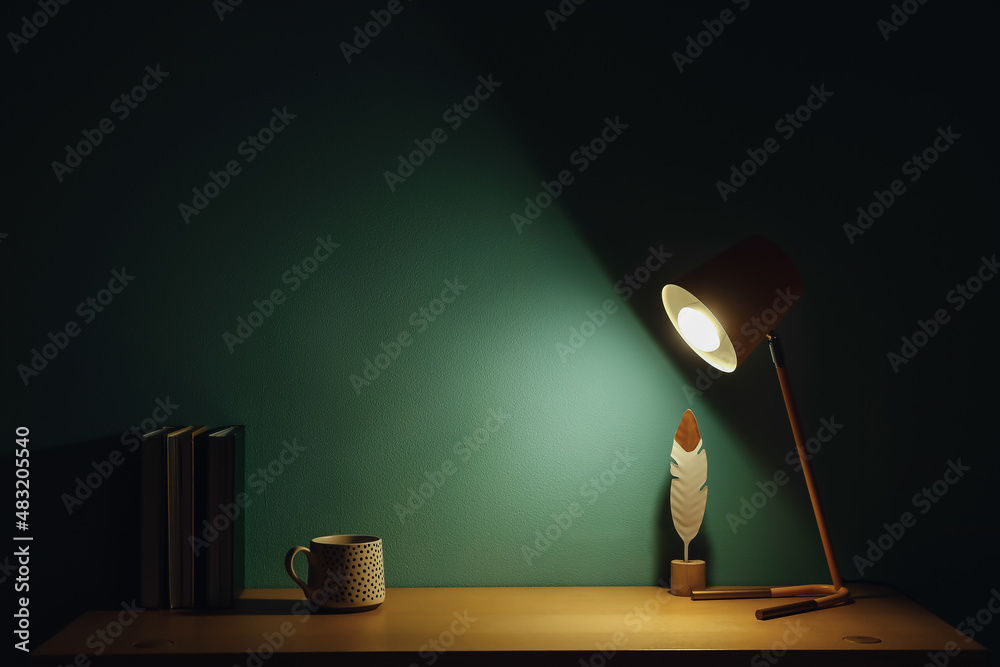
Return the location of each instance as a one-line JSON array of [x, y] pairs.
[[553, 626]]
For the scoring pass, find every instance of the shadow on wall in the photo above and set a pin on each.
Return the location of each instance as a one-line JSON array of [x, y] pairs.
[[88, 555]]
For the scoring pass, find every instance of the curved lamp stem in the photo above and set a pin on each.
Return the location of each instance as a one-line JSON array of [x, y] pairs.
[[793, 418], [830, 595], [838, 594]]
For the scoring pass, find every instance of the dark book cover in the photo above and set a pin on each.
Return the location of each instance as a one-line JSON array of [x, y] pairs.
[[153, 570], [180, 514], [193, 530], [225, 564], [209, 495]]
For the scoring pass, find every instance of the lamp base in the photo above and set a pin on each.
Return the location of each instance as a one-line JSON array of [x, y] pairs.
[[830, 596], [686, 576]]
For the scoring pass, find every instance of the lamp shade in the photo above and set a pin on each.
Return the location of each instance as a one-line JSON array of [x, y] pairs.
[[725, 307]]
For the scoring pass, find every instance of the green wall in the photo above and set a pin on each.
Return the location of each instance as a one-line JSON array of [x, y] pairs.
[[362, 450]]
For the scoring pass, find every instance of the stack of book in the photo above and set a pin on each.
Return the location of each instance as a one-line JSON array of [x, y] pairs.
[[192, 512]]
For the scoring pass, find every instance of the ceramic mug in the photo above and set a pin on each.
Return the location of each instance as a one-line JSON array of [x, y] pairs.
[[346, 572]]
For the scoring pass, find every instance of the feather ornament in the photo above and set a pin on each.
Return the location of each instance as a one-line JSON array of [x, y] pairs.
[[689, 482]]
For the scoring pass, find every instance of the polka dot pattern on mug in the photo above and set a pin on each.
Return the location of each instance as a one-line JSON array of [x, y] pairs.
[[361, 570]]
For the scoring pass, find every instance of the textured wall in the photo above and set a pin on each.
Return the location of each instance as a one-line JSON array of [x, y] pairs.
[[559, 419]]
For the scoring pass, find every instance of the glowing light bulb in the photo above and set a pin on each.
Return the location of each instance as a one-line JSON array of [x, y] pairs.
[[698, 330]]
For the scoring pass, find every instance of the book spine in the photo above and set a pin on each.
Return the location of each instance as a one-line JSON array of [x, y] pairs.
[[215, 500], [186, 464], [236, 561], [201, 536], [173, 524]]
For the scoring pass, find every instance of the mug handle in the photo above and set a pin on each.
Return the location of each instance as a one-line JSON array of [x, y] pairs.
[[289, 557]]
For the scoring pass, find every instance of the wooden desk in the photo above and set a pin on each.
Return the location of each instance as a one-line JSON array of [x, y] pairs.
[[573, 626]]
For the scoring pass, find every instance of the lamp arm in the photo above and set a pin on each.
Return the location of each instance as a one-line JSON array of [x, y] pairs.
[[793, 418]]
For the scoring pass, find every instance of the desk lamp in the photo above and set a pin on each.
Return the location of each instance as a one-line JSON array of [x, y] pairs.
[[723, 309]]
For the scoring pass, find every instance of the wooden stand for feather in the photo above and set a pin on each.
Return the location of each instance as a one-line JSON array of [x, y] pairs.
[[686, 576], [688, 497]]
